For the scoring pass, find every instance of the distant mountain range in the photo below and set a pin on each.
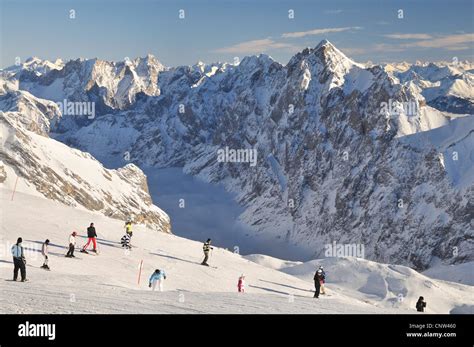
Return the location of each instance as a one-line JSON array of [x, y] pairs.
[[379, 155]]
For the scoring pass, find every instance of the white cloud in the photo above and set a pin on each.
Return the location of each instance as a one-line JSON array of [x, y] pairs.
[[449, 42], [254, 46], [409, 36], [299, 34]]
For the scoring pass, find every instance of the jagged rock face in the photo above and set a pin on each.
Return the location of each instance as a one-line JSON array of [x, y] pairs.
[[333, 164], [3, 174], [32, 113], [73, 177]]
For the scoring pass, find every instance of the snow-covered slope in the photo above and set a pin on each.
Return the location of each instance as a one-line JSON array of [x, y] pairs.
[[461, 273], [271, 262], [108, 283], [388, 285]]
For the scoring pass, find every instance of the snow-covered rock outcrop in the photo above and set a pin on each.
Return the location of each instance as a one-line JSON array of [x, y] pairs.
[[33, 163]]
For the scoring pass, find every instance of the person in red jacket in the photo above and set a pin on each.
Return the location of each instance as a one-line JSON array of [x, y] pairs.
[[241, 284], [92, 235]]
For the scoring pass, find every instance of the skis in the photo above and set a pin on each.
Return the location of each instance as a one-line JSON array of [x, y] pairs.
[[86, 252]]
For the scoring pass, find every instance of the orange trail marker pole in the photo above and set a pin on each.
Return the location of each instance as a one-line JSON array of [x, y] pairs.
[[140, 272], [14, 188]]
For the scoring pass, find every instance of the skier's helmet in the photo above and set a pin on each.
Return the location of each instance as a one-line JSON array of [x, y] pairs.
[[74, 233], [47, 241]]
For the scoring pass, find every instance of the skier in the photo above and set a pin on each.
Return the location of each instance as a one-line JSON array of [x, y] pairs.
[[125, 241], [241, 284], [157, 276], [420, 304], [72, 245], [44, 252], [19, 260], [92, 235], [318, 276], [128, 228], [323, 280], [206, 248]]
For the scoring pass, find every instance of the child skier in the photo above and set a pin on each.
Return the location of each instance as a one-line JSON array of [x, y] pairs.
[[322, 280], [125, 241], [206, 249], [157, 278], [72, 245], [241, 284], [44, 252], [128, 228]]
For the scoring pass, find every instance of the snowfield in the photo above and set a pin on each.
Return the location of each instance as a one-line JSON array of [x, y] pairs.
[[107, 283]]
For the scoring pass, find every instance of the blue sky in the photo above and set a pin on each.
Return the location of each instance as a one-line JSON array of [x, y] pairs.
[[221, 30]]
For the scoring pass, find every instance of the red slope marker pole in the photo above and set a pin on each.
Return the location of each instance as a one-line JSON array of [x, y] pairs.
[[140, 271], [14, 188]]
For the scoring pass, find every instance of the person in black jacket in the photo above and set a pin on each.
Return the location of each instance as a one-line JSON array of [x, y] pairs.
[[19, 260], [318, 277], [420, 304], [206, 249], [92, 235]]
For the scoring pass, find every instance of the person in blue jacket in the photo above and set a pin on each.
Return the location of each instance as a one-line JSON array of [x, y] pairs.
[[157, 278]]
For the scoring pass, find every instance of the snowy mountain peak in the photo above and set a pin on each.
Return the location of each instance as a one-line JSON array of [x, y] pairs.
[[35, 66], [261, 60]]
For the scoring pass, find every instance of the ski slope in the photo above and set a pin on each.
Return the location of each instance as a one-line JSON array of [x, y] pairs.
[[388, 285], [107, 283]]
